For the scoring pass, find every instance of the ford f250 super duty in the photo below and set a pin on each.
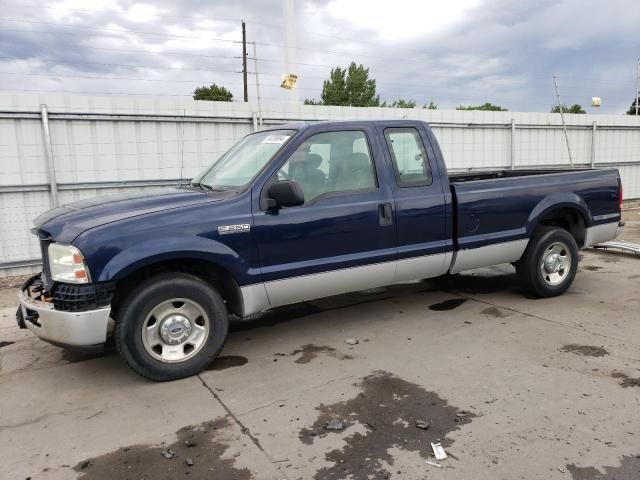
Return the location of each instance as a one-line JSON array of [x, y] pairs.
[[295, 213]]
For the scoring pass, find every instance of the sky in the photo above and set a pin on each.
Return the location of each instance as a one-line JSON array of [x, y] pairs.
[[455, 52]]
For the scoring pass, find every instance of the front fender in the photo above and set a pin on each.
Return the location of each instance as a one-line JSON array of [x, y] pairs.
[[174, 248], [556, 201]]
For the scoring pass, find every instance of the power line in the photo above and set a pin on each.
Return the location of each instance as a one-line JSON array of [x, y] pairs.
[[116, 30]]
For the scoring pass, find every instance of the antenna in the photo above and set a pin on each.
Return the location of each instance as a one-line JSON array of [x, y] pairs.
[[564, 125]]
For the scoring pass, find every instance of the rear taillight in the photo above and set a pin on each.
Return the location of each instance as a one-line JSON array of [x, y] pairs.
[[620, 194]]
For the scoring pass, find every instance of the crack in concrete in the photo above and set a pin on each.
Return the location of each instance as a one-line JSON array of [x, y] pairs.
[[554, 322], [244, 429]]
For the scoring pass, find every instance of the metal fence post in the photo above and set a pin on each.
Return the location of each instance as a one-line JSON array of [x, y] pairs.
[[593, 145], [53, 184], [513, 143]]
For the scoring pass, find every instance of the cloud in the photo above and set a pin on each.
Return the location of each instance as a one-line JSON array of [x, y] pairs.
[[465, 52]]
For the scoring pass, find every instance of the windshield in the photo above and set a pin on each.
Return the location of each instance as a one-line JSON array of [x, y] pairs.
[[240, 165]]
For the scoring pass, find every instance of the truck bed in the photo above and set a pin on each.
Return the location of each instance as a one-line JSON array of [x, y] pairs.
[[498, 208]]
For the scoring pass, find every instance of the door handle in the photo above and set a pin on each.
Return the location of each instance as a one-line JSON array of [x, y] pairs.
[[385, 214]]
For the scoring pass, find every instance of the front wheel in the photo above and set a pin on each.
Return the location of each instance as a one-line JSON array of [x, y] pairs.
[[171, 326], [550, 262]]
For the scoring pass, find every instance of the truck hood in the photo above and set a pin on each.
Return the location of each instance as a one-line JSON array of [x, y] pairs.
[[65, 223]]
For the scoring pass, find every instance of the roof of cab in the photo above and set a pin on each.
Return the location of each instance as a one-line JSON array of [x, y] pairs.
[[304, 125]]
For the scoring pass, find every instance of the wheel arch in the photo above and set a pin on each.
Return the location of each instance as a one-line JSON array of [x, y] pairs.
[[567, 211], [210, 261]]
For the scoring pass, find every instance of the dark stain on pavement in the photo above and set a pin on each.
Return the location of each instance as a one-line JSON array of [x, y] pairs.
[[585, 350], [592, 268], [625, 380], [495, 312], [629, 469], [388, 408], [229, 361], [310, 351], [447, 304], [195, 454], [5, 344]]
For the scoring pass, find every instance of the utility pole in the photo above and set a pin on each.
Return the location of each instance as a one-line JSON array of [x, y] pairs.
[[637, 84], [564, 125], [244, 61], [290, 44], [255, 67]]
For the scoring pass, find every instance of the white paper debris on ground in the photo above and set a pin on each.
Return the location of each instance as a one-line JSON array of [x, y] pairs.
[[438, 451], [434, 464]]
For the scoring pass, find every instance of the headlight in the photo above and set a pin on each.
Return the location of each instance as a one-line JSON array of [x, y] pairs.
[[67, 264]]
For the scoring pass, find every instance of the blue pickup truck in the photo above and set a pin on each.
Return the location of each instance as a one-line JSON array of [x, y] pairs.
[[291, 214]]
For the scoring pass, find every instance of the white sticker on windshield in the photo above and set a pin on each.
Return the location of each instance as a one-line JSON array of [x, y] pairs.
[[280, 139]]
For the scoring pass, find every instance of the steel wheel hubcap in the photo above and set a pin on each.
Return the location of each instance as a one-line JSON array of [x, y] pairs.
[[556, 263], [175, 330]]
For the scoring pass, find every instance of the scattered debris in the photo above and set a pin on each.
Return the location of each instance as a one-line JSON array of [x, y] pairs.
[[168, 453], [393, 405], [561, 470], [334, 424], [438, 451], [433, 464], [6, 344], [209, 453], [351, 341], [423, 424]]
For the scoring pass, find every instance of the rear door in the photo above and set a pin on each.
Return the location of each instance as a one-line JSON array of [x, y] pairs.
[[343, 237], [423, 240]]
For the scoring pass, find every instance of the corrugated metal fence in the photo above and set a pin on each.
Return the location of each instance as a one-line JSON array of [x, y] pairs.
[[105, 144]]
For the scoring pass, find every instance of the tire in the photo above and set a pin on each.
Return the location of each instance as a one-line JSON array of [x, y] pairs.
[[549, 264], [190, 329]]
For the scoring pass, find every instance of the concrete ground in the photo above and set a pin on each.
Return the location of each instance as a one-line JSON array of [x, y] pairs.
[[514, 388]]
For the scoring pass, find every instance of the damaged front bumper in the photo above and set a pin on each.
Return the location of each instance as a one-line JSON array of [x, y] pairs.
[[67, 329]]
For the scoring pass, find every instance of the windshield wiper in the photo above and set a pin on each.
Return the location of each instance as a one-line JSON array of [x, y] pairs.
[[202, 186]]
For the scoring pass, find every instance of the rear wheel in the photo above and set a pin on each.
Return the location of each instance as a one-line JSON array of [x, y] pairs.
[[550, 262], [171, 326]]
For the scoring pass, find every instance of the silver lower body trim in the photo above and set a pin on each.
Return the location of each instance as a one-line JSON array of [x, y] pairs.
[[494, 254], [602, 233], [75, 329], [276, 293]]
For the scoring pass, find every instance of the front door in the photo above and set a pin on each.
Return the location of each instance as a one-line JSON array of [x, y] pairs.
[[343, 237]]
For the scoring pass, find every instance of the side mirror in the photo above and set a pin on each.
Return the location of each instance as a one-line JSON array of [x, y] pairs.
[[285, 193]]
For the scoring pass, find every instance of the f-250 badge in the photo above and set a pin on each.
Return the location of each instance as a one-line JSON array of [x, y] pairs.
[[227, 229]]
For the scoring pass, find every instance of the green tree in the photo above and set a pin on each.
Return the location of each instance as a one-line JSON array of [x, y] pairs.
[[575, 108], [213, 93], [487, 106], [361, 90], [632, 108], [350, 86], [400, 103], [431, 105]]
